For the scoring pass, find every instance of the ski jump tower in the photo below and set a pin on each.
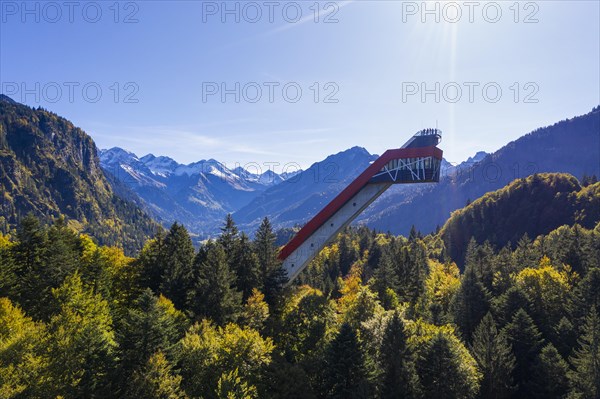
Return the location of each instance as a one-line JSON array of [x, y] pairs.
[[417, 161]]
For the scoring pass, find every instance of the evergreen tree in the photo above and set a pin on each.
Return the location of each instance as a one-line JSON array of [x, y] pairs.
[[178, 274], [385, 278], [470, 304], [62, 254], [586, 296], [526, 342], [273, 274], [399, 377], [215, 294], [479, 258], [566, 337], [345, 373], [152, 325], [444, 371], [549, 375], [285, 380], [585, 379], [413, 235], [155, 381], [348, 254], [151, 261], [526, 255], [494, 358], [229, 237], [415, 271], [246, 266], [34, 285], [506, 305]]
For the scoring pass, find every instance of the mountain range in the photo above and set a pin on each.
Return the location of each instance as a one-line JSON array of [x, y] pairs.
[[50, 167], [198, 195]]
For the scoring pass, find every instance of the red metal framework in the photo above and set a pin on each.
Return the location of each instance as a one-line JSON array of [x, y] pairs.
[[359, 183]]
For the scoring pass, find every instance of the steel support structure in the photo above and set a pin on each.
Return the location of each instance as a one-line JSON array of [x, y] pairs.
[[410, 164]]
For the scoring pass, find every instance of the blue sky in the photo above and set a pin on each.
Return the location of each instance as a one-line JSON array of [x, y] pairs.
[[362, 68]]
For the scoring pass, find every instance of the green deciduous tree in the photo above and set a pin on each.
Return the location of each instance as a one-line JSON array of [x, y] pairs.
[[8, 276], [22, 364], [156, 380], [231, 386], [256, 310], [81, 345], [206, 352]]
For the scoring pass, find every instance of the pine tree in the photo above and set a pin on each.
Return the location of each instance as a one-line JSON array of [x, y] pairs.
[[215, 295], [526, 255], [348, 254], [156, 380], [151, 261], [506, 305], [273, 274], [61, 255], [479, 258], [549, 375], [526, 342], [34, 285], [246, 266], [443, 371], [229, 236], [566, 337], [385, 277], [413, 235], [345, 373], [494, 358], [178, 273], [399, 377], [586, 295], [585, 379], [416, 271], [285, 380], [152, 325], [470, 304]]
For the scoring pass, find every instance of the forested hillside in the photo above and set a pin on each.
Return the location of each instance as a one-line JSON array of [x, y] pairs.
[[534, 205], [50, 168], [373, 316]]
